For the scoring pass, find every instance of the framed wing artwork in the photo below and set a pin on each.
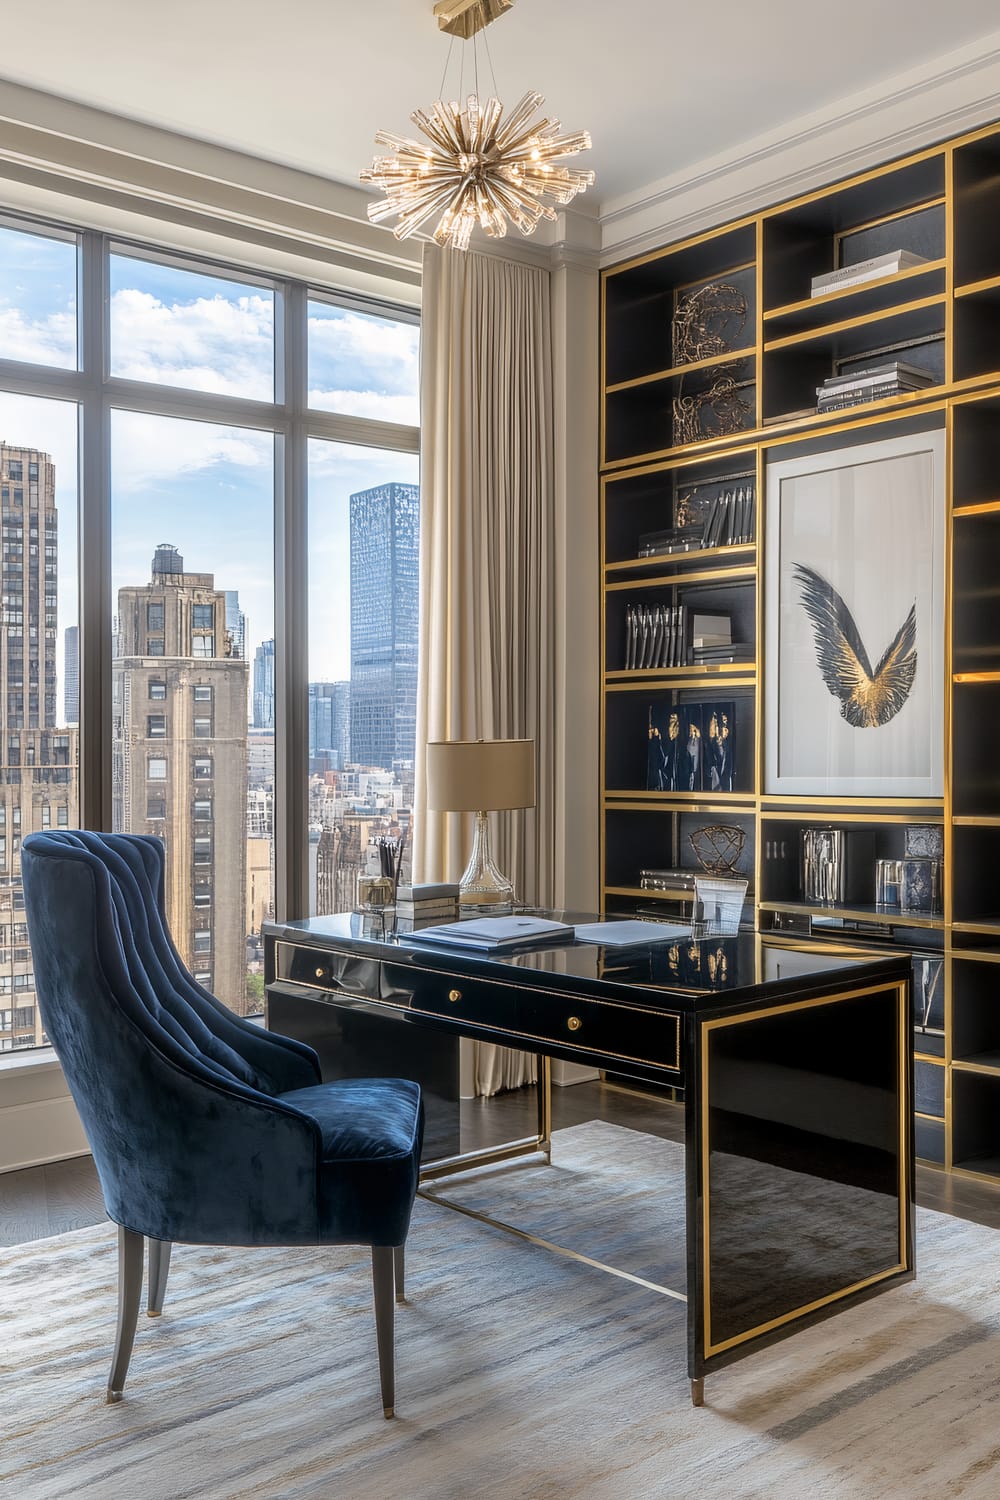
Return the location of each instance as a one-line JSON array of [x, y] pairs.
[[854, 621]]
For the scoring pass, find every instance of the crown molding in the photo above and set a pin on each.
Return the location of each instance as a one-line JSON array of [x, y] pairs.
[[865, 129]]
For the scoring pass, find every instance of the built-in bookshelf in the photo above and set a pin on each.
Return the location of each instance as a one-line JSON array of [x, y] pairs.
[[692, 421]]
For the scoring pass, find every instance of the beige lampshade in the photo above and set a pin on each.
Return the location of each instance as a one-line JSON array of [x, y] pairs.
[[480, 775]]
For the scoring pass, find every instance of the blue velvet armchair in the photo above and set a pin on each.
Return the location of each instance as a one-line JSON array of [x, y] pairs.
[[205, 1129]]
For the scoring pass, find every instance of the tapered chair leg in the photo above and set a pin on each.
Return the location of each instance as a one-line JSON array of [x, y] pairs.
[[159, 1267], [399, 1272], [382, 1282], [129, 1294]]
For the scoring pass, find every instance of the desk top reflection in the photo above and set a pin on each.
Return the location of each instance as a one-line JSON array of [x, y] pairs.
[[680, 970]]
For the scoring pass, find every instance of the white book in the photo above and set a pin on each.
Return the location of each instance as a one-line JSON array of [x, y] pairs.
[[489, 934], [890, 370], [865, 270], [863, 382]]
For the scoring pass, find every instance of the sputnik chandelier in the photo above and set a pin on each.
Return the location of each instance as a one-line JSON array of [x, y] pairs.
[[479, 167]]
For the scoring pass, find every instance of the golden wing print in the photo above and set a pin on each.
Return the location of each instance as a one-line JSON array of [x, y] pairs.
[[868, 699]]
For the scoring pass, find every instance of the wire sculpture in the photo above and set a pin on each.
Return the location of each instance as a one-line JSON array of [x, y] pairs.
[[707, 322], [717, 847], [716, 411]]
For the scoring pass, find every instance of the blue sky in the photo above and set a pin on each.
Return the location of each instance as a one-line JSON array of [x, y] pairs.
[[205, 488]]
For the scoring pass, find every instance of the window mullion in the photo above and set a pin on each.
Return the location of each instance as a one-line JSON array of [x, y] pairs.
[[94, 559], [291, 621]]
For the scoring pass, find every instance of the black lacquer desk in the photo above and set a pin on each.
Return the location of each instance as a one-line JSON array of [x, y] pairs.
[[796, 1071]]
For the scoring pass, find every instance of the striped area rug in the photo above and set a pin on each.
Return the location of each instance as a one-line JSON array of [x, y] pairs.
[[519, 1373]]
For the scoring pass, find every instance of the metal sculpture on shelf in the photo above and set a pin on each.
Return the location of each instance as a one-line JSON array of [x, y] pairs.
[[707, 322], [717, 847], [716, 411]]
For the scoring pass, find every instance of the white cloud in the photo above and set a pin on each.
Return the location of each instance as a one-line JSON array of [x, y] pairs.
[[50, 340], [374, 404], [213, 344], [148, 450]]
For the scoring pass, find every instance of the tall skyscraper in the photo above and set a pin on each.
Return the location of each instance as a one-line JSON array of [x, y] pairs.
[[385, 543], [71, 674], [180, 760], [329, 725], [236, 624], [38, 761], [263, 686]]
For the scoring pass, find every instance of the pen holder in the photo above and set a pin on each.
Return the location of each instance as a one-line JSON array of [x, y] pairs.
[[374, 892]]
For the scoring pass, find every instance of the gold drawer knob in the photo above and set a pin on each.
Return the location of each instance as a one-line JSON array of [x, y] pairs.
[[574, 1023], [320, 972], [454, 995]]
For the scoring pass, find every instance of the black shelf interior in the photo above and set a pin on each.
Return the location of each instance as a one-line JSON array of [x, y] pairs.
[[660, 840], [975, 863], [781, 873], [975, 766], [802, 242], [638, 503], [793, 374], [976, 458], [626, 750], [976, 1121], [975, 1011], [640, 300], [977, 210], [735, 597]]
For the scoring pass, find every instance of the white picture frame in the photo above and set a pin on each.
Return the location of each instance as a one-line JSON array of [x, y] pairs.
[[854, 540]]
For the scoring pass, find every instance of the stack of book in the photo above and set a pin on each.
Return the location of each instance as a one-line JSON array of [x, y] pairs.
[[712, 640], [730, 519], [655, 636], [872, 269], [427, 903], [871, 383]]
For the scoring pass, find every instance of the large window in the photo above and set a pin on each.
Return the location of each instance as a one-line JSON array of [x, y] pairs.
[[215, 407], [364, 536]]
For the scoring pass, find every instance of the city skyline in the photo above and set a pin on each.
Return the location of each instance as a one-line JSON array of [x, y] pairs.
[[207, 488]]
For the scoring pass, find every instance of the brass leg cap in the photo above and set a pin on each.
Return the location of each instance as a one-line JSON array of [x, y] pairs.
[[153, 1312], [388, 1411], [114, 1396]]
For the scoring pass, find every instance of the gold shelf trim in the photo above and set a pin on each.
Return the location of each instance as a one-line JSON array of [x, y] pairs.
[[830, 330], [972, 288], [875, 816], [711, 575], [983, 508], [679, 559], [856, 914], [784, 799], [690, 802], [676, 372], [681, 682]]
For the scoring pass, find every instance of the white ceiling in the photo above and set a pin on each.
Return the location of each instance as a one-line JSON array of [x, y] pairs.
[[660, 84]]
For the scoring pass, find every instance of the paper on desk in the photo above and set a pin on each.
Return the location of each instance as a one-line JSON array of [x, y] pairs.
[[627, 933]]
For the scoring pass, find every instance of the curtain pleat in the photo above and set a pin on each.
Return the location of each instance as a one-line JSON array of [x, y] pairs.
[[487, 556]]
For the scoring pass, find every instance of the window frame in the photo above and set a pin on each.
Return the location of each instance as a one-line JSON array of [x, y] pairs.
[[96, 394]]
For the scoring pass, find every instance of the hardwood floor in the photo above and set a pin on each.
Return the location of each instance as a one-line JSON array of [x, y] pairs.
[[42, 1201]]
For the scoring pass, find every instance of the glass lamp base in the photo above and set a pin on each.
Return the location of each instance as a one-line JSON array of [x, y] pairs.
[[483, 886]]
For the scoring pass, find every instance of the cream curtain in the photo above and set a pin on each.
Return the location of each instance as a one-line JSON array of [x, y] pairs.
[[487, 552]]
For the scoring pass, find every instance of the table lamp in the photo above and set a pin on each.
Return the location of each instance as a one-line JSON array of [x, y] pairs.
[[481, 776]]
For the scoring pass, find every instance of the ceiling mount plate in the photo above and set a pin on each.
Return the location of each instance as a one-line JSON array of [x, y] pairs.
[[465, 17]]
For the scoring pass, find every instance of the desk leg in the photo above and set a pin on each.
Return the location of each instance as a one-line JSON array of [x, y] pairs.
[[544, 1093], [698, 1392]]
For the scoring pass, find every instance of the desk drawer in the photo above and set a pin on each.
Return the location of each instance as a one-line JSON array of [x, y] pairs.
[[624, 1031], [459, 999], [325, 969]]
